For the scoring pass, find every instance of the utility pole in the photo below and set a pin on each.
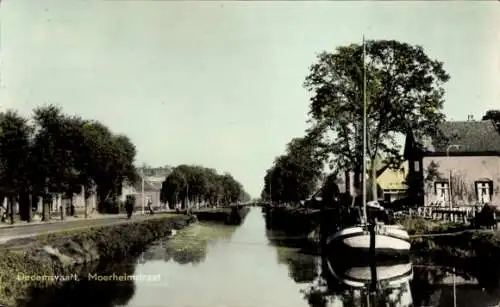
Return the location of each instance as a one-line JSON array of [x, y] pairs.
[[364, 136], [142, 189]]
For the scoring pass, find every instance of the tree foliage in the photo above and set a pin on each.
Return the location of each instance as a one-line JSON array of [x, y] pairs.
[[294, 175], [55, 153], [404, 90], [198, 184], [493, 115]]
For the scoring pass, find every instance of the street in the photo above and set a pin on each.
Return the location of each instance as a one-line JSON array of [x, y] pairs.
[[26, 231]]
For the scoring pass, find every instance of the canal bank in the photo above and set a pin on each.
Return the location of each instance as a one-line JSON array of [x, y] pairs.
[[292, 221], [233, 215], [443, 241], [49, 259], [470, 251], [213, 264]]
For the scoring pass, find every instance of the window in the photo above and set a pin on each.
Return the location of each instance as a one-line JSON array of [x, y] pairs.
[[441, 190], [484, 190]]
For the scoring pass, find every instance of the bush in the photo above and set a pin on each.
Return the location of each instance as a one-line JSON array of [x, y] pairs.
[[419, 225]]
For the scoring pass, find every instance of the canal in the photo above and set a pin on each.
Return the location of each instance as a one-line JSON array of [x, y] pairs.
[[213, 265]]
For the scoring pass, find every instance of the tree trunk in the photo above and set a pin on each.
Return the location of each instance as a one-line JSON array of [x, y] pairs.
[[373, 180], [71, 206], [357, 180], [61, 206], [347, 182], [45, 209], [25, 206], [86, 202], [34, 200], [11, 201], [29, 215]]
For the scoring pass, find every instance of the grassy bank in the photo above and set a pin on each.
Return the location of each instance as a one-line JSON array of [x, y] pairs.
[[418, 226], [66, 253], [86, 292], [454, 245]]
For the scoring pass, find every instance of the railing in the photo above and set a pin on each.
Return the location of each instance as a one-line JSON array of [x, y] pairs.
[[454, 214]]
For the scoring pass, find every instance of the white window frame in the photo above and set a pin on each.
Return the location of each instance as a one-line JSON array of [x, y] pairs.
[[483, 191], [442, 191]]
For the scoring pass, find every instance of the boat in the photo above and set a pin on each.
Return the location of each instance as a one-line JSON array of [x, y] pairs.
[[383, 240], [370, 235]]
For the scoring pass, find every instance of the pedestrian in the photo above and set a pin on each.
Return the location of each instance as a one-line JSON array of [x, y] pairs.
[[150, 207], [129, 205]]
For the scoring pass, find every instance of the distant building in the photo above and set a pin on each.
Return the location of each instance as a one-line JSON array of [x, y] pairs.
[[152, 191], [392, 183]]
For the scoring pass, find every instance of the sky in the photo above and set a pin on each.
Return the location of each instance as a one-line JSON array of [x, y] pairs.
[[220, 84]]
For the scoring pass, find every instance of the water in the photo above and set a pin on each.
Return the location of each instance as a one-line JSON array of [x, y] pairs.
[[238, 266], [233, 266]]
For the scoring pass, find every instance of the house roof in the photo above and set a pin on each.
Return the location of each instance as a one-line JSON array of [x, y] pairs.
[[472, 136]]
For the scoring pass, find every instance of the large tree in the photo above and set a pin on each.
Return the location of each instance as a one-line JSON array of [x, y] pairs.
[[15, 155], [173, 188], [274, 185], [404, 90], [54, 154], [296, 174], [108, 160]]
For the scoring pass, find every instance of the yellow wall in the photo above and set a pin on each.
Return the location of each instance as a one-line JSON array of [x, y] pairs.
[[393, 179]]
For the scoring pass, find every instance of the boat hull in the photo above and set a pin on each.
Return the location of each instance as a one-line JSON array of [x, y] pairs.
[[390, 241]]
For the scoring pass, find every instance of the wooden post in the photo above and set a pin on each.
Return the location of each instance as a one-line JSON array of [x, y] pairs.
[[45, 203], [11, 208]]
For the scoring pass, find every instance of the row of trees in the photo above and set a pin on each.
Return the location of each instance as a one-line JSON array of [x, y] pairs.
[[198, 184], [53, 153], [294, 175], [404, 92]]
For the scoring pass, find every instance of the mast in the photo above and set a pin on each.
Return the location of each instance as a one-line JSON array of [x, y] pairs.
[[363, 178]]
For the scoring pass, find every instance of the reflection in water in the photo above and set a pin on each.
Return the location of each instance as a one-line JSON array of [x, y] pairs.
[[189, 245], [349, 284], [302, 266], [88, 292], [438, 286], [240, 269]]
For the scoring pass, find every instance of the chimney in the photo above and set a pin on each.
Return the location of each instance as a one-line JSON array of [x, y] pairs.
[[470, 118]]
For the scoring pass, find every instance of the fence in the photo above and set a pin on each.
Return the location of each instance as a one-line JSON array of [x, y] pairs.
[[452, 214]]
